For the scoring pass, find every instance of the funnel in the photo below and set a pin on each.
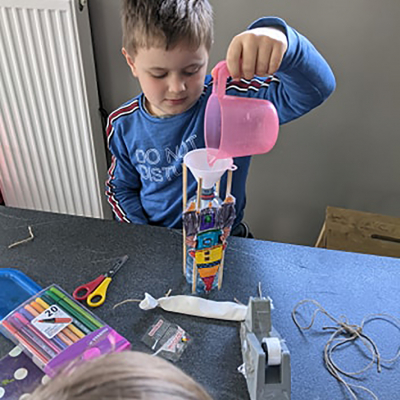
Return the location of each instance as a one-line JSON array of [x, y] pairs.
[[197, 162]]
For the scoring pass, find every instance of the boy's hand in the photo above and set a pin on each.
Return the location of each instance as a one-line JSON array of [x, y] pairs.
[[258, 51]]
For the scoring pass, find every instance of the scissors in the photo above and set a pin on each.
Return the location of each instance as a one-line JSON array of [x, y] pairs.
[[94, 292]]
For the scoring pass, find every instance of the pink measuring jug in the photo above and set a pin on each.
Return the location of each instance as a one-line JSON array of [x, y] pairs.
[[237, 126]]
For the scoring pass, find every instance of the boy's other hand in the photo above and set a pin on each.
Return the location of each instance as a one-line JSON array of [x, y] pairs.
[[258, 51]]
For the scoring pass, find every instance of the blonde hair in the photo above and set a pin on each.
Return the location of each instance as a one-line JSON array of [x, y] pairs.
[[165, 23], [122, 376]]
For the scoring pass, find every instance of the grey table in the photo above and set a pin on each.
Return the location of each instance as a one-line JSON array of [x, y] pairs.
[[70, 250]]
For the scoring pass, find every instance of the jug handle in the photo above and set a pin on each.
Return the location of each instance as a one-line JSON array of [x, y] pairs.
[[220, 74]]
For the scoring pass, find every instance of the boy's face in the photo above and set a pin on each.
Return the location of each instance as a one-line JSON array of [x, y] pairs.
[[171, 80]]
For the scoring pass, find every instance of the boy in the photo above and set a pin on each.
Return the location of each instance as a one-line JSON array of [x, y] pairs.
[[166, 44]]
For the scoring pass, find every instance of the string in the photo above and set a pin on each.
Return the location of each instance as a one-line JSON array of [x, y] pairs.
[[126, 301], [137, 300], [353, 333], [31, 237], [238, 301]]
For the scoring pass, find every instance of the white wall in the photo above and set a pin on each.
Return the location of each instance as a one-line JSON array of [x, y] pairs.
[[344, 153]]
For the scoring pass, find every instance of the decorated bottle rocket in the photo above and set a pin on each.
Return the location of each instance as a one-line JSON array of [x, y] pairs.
[[207, 221]]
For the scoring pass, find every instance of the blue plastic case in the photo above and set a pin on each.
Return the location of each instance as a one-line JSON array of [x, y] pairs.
[[15, 288]]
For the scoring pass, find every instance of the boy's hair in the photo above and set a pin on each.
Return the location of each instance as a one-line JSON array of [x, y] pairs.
[[124, 376], [165, 23]]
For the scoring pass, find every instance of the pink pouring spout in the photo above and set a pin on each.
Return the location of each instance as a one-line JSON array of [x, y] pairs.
[[211, 157]]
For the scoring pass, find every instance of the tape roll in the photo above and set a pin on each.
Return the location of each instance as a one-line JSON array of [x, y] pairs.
[[274, 350]]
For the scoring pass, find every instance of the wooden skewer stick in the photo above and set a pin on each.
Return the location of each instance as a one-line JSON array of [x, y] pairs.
[[198, 206], [227, 194], [184, 205], [229, 183], [199, 185], [194, 281], [221, 271]]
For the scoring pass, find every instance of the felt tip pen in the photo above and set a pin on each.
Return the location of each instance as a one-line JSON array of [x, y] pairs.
[[29, 316], [60, 335], [23, 340], [64, 297], [66, 330], [79, 329], [71, 311], [26, 323], [56, 320], [47, 302], [36, 340]]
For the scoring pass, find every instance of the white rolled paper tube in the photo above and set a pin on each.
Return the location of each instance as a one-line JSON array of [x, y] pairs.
[[197, 306], [274, 350]]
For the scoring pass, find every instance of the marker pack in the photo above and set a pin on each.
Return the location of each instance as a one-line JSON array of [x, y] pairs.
[[58, 333]]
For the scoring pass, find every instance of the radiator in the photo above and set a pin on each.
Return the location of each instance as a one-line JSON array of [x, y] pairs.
[[52, 151]]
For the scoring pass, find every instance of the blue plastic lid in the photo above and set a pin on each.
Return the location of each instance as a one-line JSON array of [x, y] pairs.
[[15, 288]]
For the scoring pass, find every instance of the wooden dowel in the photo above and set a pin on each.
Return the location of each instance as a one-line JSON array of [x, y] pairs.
[[184, 205], [321, 241], [221, 271], [227, 194], [184, 186], [217, 187], [184, 251], [229, 183], [199, 185], [194, 273], [194, 277]]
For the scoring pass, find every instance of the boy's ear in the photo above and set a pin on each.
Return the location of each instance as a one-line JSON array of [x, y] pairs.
[[129, 61]]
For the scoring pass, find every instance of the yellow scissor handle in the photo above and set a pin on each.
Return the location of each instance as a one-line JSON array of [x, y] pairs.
[[98, 296]]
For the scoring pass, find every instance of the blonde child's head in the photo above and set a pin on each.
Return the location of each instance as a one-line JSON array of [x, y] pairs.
[[122, 376], [166, 23]]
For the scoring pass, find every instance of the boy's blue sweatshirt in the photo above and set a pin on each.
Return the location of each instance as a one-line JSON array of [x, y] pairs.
[[145, 182]]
